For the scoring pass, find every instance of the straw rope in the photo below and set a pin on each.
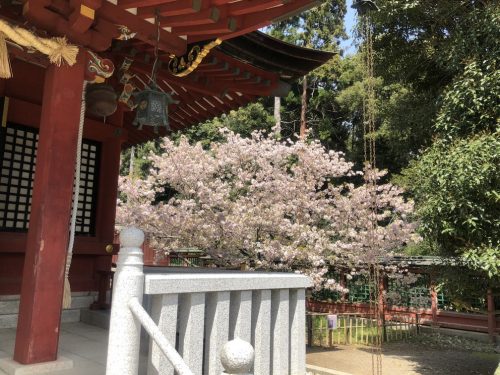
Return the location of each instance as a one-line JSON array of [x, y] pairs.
[[76, 192], [58, 50]]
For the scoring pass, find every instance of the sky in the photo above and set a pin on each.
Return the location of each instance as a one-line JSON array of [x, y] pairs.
[[350, 21]]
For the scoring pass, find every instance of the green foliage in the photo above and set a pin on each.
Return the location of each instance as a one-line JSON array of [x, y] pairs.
[[319, 27], [457, 193], [425, 44], [485, 259], [242, 121], [424, 247], [141, 164], [424, 49], [459, 288], [443, 57], [470, 104]]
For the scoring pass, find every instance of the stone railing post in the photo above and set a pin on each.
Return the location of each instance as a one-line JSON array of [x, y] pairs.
[[237, 357], [124, 329]]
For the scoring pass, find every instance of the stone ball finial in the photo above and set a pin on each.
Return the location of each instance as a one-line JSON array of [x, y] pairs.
[[131, 237], [237, 357]]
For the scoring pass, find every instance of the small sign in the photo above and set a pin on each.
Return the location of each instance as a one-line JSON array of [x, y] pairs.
[[332, 321]]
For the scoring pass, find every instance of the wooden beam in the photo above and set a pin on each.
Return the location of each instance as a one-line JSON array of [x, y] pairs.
[[245, 7], [127, 4], [47, 240], [107, 17], [250, 22], [175, 8], [213, 68], [243, 66], [204, 17], [145, 30], [223, 26], [37, 13], [83, 15], [187, 98]]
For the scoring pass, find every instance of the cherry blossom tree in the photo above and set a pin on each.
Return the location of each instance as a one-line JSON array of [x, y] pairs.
[[275, 204]]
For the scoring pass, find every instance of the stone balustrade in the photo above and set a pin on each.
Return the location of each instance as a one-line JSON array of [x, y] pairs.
[[218, 322]]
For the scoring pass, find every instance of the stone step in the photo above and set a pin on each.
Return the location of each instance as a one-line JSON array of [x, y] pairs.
[[78, 301], [98, 318], [67, 316]]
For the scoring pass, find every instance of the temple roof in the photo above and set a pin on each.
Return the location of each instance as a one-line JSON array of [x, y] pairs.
[[235, 73], [96, 23], [271, 54], [240, 65]]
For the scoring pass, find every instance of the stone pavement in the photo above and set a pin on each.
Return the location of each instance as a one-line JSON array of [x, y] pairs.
[[86, 345]]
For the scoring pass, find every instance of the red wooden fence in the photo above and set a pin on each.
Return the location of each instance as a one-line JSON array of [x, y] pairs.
[[446, 319]]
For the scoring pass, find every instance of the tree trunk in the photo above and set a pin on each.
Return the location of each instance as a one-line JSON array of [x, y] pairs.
[[277, 116], [303, 124], [131, 163]]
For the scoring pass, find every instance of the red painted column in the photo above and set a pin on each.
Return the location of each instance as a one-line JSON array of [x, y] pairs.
[[47, 241], [491, 317]]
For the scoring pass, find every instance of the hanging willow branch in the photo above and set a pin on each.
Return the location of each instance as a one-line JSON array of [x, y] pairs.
[[56, 49]]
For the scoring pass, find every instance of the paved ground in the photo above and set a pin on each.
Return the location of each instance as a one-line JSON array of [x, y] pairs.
[[86, 345], [406, 359]]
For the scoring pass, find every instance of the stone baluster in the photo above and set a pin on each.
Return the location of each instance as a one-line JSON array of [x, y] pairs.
[[124, 329]]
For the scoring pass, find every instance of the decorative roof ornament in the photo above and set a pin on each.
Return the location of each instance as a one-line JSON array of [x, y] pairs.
[[181, 66], [152, 103], [364, 6], [125, 33]]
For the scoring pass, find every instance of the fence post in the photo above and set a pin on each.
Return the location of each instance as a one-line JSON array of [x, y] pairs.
[[237, 357], [309, 330], [124, 329], [491, 316], [417, 323]]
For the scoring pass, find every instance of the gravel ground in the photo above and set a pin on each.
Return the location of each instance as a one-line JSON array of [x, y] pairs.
[[403, 358]]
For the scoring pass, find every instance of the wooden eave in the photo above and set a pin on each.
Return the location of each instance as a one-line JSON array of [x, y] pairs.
[[95, 23], [271, 54], [231, 76]]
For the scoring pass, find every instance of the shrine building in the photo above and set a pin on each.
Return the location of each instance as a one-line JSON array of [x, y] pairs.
[[203, 58]]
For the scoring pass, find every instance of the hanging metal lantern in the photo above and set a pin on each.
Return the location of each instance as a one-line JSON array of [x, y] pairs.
[[364, 6], [152, 103], [152, 108]]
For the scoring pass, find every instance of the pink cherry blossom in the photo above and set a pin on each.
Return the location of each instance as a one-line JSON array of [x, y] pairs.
[[280, 205]]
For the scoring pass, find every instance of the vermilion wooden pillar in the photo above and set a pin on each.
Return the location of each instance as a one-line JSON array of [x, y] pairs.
[[47, 241]]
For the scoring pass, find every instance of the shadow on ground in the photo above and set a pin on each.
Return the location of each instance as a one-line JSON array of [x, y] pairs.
[[405, 359]]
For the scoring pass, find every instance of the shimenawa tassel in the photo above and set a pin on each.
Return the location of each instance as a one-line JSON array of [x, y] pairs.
[[5, 69], [67, 294]]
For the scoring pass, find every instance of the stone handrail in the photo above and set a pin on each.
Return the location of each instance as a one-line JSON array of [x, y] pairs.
[[160, 340], [315, 370]]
